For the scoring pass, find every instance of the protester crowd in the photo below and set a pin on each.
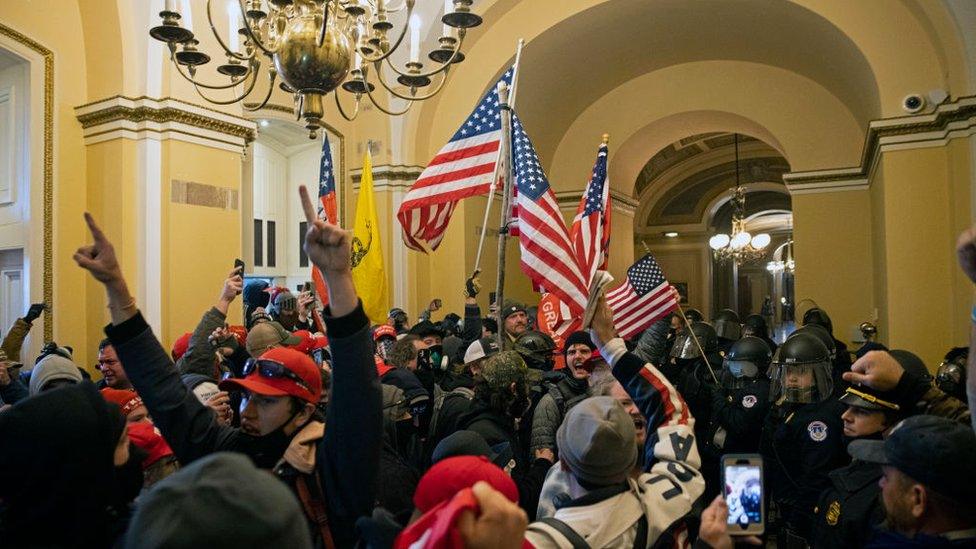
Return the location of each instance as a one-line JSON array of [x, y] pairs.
[[310, 427]]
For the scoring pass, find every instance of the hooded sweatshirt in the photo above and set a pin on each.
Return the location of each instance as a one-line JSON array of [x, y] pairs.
[[56, 469]]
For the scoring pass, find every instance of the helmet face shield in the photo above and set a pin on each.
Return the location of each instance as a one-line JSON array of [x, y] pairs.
[[951, 378], [802, 382], [728, 329], [736, 374], [684, 347]]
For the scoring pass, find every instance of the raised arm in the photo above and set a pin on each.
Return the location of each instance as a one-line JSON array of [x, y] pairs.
[[199, 357], [349, 455], [189, 427]]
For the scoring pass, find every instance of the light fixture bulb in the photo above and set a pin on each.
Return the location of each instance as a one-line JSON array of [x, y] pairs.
[[760, 241], [671, 234], [740, 240], [719, 241]]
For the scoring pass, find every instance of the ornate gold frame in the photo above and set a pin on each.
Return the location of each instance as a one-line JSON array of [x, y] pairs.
[[48, 160]]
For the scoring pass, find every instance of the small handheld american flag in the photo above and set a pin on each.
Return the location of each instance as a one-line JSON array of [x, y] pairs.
[[643, 299]]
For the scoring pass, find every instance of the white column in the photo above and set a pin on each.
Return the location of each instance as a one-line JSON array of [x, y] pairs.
[[149, 199]]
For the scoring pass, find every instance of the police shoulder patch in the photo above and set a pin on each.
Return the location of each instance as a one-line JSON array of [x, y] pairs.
[[817, 430], [749, 401]]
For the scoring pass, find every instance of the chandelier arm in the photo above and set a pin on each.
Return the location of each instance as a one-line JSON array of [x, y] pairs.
[[443, 68], [437, 89], [274, 77], [380, 107], [342, 111], [250, 33], [191, 80], [220, 40], [396, 45], [250, 87], [325, 23]]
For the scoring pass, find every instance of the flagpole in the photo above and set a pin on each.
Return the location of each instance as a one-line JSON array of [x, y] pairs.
[[505, 147], [494, 176], [694, 336]]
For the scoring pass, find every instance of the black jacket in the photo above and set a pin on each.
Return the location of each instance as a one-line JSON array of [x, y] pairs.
[[347, 459], [801, 445], [740, 413], [850, 509], [529, 473]]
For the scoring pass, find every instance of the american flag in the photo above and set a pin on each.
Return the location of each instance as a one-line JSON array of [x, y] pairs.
[[327, 208], [590, 233], [463, 167], [645, 297], [547, 254]]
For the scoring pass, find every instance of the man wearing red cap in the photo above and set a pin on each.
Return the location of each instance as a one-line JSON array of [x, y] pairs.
[[333, 472]]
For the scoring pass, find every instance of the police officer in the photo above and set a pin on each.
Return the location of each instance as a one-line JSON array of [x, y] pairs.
[[741, 405], [755, 325], [842, 357], [802, 438], [837, 364], [728, 328]]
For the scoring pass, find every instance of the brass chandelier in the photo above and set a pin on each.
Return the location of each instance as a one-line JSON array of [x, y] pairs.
[[315, 46], [740, 247]]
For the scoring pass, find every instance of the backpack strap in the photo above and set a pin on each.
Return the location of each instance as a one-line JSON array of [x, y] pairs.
[[641, 541], [314, 509], [565, 531]]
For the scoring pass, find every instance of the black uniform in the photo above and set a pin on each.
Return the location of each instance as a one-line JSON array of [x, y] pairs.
[[801, 444], [740, 414], [850, 509]]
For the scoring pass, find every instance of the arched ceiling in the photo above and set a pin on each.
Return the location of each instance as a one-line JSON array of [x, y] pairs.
[[688, 180]]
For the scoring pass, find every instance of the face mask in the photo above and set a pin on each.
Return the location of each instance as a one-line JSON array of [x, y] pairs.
[[129, 477], [268, 449]]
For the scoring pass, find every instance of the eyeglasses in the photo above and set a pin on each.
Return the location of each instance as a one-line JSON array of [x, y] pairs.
[[274, 370]]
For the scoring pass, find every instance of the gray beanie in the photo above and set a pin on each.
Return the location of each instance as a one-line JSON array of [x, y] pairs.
[[221, 500], [596, 441], [52, 368]]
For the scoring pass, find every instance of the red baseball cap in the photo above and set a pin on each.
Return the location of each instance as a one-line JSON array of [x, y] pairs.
[[126, 399], [451, 475], [308, 342], [297, 363], [181, 346], [384, 330], [145, 435]]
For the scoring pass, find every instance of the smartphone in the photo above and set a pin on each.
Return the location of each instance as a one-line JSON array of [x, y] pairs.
[[307, 287], [438, 303], [239, 265], [491, 297], [742, 475]]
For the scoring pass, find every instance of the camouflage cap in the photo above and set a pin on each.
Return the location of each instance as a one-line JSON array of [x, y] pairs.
[[502, 369]]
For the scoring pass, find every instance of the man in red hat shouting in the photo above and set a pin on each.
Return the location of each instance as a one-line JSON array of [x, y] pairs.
[[332, 471]]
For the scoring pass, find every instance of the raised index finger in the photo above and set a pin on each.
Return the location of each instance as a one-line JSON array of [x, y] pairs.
[[310, 214], [97, 233]]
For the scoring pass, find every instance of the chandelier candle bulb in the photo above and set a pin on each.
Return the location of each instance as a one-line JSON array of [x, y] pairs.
[[170, 5], [414, 38]]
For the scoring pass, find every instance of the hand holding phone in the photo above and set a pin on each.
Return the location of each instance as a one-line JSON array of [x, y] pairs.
[[743, 479]]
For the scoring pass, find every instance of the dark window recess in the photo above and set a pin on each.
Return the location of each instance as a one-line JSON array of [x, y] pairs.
[[258, 243], [302, 258], [271, 244]]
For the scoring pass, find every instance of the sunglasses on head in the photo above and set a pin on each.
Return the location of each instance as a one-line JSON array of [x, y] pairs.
[[274, 370]]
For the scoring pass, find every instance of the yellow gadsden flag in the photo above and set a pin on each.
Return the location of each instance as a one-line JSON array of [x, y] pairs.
[[367, 253]]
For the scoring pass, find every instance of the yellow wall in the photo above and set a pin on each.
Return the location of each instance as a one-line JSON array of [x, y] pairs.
[[199, 243], [833, 255]]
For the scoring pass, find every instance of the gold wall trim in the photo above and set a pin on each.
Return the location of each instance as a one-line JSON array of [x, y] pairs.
[[48, 171], [160, 111], [948, 121]]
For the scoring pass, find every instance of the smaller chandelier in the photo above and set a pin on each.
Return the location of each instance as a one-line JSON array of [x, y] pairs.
[[777, 267], [740, 247]]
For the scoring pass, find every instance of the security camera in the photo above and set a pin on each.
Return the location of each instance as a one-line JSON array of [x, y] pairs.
[[913, 103]]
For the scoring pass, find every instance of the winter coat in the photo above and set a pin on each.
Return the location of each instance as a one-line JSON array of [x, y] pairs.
[[347, 456], [551, 409]]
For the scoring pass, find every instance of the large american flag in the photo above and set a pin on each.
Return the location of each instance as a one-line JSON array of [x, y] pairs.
[[645, 297], [547, 254], [590, 233], [463, 167]]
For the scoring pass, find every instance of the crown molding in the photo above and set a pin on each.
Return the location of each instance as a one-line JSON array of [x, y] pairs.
[[136, 118], [388, 176], [935, 129]]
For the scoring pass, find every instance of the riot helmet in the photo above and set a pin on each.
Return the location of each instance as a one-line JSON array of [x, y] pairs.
[[951, 375], [802, 370], [755, 325], [727, 325], [685, 346], [868, 330], [536, 349], [746, 360], [694, 315], [820, 333], [818, 316]]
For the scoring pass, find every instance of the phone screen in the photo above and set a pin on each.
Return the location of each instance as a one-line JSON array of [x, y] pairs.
[[743, 493]]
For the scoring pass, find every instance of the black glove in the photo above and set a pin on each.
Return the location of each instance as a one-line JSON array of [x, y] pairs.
[[34, 312], [472, 285]]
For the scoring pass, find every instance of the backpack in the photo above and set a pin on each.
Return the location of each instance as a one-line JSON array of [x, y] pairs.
[[440, 396]]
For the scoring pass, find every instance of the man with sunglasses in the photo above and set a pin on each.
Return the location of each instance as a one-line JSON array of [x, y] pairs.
[[331, 470]]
